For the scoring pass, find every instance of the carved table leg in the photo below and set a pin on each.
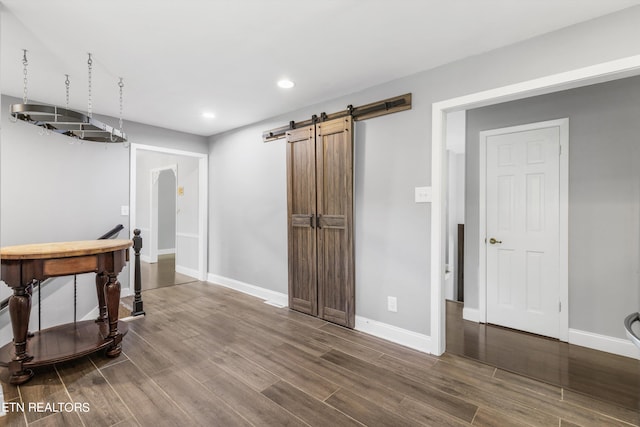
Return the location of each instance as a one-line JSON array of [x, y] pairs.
[[101, 282], [112, 293], [20, 310]]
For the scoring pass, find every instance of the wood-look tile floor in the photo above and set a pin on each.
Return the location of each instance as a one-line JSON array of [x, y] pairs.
[[162, 273], [605, 376], [207, 355]]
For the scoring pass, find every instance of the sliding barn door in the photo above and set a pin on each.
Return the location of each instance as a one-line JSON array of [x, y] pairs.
[[320, 216], [334, 170], [301, 213]]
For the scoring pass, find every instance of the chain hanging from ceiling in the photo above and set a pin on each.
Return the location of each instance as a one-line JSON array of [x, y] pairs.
[[24, 73], [75, 124]]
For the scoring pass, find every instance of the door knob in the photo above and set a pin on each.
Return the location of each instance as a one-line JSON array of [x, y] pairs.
[[494, 241]]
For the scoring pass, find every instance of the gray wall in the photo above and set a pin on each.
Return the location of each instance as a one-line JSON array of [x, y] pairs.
[[167, 210], [56, 191], [393, 155], [604, 196], [53, 190]]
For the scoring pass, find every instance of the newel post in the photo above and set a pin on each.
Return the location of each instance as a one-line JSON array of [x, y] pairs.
[[137, 299]]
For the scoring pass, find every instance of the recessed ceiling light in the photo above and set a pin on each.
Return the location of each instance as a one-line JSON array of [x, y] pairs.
[[208, 115], [286, 84]]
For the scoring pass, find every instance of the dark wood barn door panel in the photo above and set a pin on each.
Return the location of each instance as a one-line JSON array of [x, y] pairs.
[[334, 170], [301, 214]]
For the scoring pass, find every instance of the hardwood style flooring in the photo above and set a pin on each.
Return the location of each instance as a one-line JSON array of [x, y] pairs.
[[604, 376], [162, 273], [207, 355]]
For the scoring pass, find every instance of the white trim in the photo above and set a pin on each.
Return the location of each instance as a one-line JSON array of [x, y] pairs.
[[394, 334], [145, 258], [564, 232], [563, 218], [471, 314], [606, 71], [381, 330], [188, 235], [153, 208], [256, 291], [169, 251], [482, 222], [203, 199], [2, 411], [187, 271], [619, 346], [93, 314]]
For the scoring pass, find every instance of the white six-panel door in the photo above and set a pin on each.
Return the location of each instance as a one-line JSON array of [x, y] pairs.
[[522, 230]]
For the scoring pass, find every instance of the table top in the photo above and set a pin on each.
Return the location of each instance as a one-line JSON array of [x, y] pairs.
[[62, 249]]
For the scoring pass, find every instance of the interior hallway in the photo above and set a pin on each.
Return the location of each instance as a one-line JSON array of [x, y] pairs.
[[601, 375]]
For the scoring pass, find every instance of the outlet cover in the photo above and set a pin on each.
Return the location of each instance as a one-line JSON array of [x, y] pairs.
[[124, 210], [423, 194], [392, 304]]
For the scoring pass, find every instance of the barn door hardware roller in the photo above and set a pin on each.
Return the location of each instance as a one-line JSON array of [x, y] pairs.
[[368, 111]]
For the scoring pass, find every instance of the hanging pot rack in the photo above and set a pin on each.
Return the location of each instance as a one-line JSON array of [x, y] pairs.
[[65, 121]]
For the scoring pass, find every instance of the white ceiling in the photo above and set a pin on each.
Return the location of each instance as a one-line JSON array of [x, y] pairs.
[[179, 58]]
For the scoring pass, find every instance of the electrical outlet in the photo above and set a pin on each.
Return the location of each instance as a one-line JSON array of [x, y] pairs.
[[392, 304], [124, 210], [422, 194]]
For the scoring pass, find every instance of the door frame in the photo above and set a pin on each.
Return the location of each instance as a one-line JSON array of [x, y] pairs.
[[203, 198], [563, 230], [598, 73], [153, 209]]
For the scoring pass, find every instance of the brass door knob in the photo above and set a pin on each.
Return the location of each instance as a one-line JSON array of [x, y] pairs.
[[494, 241]]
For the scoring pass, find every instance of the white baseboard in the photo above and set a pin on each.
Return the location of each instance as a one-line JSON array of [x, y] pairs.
[[93, 314], [394, 334], [145, 258], [170, 251], [188, 272], [471, 314], [391, 333], [266, 294], [619, 346]]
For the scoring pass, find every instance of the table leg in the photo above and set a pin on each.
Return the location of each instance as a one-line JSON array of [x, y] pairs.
[[112, 294], [20, 311], [101, 282]]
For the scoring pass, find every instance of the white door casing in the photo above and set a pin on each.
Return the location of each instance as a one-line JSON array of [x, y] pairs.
[[523, 197], [203, 203], [572, 78]]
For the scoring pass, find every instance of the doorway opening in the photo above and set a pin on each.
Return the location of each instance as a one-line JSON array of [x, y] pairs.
[[169, 206], [599, 73], [163, 211]]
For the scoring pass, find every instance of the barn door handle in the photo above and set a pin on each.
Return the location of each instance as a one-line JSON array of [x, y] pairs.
[[494, 241], [318, 221], [311, 221]]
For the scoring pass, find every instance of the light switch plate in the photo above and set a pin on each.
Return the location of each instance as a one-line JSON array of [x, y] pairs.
[[423, 195], [124, 210], [392, 304]]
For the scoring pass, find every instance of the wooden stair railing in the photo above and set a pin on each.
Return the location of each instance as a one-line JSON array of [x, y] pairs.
[[137, 283]]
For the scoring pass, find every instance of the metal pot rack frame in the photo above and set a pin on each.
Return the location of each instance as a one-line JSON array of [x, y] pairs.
[[67, 122]]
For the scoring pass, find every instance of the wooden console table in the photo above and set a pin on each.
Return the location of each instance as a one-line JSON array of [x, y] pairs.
[[24, 264]]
